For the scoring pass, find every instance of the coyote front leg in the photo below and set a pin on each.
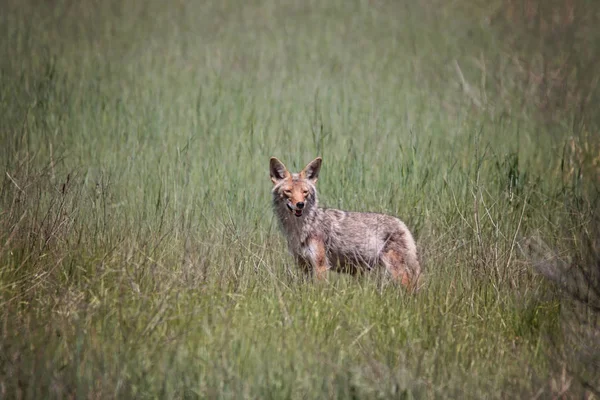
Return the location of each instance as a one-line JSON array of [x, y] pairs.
[[317, 257]]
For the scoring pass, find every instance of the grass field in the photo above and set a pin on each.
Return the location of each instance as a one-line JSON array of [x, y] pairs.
[[139, 256]]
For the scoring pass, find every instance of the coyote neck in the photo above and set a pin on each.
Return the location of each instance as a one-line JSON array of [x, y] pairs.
[[298, 229]]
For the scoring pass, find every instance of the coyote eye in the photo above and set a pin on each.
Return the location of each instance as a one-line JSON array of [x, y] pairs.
[[287, 192], [305, 193]]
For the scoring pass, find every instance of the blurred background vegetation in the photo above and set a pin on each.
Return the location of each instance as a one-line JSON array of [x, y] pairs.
[[138, 252]]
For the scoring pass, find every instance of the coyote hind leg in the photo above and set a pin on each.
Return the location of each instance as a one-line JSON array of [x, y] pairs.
[[394, 261]]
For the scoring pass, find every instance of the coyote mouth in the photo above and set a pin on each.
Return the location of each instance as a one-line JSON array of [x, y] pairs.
[[297, 212]]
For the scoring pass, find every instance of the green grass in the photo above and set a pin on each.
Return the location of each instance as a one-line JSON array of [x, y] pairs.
[[139, 256]]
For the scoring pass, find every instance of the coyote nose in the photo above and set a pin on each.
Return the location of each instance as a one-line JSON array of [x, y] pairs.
[[300, 205]]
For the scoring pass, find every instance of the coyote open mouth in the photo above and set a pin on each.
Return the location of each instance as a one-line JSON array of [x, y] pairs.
[[297, 212]]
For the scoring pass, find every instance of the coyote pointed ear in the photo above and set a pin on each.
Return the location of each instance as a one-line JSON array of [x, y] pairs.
[[278, 170], [311, 171]]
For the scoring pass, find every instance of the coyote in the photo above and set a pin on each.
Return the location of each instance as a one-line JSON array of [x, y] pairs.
[[321, 239]]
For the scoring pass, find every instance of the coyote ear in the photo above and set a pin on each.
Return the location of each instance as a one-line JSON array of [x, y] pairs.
[[311, 171], [278, 170]]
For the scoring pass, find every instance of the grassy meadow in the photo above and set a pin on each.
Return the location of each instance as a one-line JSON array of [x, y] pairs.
[[139, 256]]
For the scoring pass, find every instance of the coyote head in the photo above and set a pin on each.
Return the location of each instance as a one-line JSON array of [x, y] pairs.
[[296, 192]]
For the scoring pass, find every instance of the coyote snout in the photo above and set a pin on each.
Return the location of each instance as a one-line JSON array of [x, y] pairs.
[[323, 239]]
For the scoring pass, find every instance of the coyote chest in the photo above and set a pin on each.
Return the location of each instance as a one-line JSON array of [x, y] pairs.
[[323, 239]]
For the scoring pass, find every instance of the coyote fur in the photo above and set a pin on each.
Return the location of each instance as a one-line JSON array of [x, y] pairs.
[[323, 238]]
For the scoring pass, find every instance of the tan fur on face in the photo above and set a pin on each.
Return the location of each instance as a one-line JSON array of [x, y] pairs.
[[296, 190]]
